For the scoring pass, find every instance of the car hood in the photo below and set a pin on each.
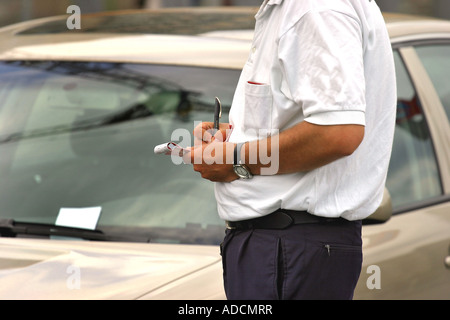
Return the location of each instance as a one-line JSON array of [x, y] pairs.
[[62, 269]]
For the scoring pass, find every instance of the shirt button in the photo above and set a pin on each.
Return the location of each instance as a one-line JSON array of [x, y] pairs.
[[254, 49]]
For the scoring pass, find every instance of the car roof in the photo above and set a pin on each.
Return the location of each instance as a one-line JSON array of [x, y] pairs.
[[202, 36], [404, 27], [210, 37]]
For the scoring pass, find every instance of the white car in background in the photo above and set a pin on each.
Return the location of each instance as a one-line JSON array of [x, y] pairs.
[[88, 211]]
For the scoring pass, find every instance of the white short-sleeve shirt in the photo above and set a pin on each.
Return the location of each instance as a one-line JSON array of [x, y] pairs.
[[328, 63]]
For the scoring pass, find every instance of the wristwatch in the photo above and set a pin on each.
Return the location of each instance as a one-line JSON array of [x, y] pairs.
[[240, 169]]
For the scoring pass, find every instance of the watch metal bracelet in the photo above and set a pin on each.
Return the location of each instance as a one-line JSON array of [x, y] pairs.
[[237, 153]]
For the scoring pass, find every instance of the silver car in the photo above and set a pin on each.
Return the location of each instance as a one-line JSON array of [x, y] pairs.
[[88, 211]]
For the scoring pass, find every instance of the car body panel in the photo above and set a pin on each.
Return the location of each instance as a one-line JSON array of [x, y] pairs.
[[405, 254], [64, 269], [404, 28], [197, 51], [409, 249]]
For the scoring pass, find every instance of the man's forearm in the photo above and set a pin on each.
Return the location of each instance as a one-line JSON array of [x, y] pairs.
[[304, 147]]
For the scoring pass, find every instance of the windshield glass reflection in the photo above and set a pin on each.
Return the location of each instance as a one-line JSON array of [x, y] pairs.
[[80, 135]]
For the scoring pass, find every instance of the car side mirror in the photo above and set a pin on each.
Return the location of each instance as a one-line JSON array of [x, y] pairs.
[[384, 211]]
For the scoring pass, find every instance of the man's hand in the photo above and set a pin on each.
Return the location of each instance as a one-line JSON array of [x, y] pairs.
[[204, 132], [212, 157], [214, 161]]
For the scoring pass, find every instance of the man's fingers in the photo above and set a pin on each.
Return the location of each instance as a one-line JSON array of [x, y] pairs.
[[193, 155], [188, 156], [205, 132], [201, 131]]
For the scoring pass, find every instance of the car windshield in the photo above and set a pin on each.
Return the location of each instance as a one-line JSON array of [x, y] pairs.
[[77, 140]]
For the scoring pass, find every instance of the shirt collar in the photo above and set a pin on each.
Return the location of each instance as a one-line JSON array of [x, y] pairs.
[[265, 5]]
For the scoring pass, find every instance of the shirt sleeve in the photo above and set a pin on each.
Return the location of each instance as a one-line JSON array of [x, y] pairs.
[[322, 61]]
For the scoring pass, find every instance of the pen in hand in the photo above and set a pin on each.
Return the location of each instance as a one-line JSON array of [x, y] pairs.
[[217, 115]]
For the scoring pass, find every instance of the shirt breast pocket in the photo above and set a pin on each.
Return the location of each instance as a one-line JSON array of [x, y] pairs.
[[258, 106]]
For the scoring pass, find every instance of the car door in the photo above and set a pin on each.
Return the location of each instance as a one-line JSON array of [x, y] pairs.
[[406, 257]]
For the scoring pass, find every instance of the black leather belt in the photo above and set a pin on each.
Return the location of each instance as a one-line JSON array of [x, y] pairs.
[[280, 219]]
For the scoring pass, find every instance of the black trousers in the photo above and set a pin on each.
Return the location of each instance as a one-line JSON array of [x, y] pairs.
[[305, 261]]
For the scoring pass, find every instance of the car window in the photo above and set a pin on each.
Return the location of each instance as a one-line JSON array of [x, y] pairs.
[[81, 135], [436, 61], [413, 173]]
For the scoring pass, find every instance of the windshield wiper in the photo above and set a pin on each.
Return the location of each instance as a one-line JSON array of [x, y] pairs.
[[132, 113], [11, 229]]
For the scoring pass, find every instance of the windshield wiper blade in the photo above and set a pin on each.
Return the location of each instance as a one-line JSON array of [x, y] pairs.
[[10, 229]]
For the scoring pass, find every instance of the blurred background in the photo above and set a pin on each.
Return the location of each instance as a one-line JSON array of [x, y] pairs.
[[12, 11]]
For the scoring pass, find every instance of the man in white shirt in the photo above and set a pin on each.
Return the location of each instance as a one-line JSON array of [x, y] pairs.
[[317, 96]]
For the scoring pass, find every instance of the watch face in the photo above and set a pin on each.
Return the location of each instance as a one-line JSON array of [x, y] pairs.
[[242, 172]]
